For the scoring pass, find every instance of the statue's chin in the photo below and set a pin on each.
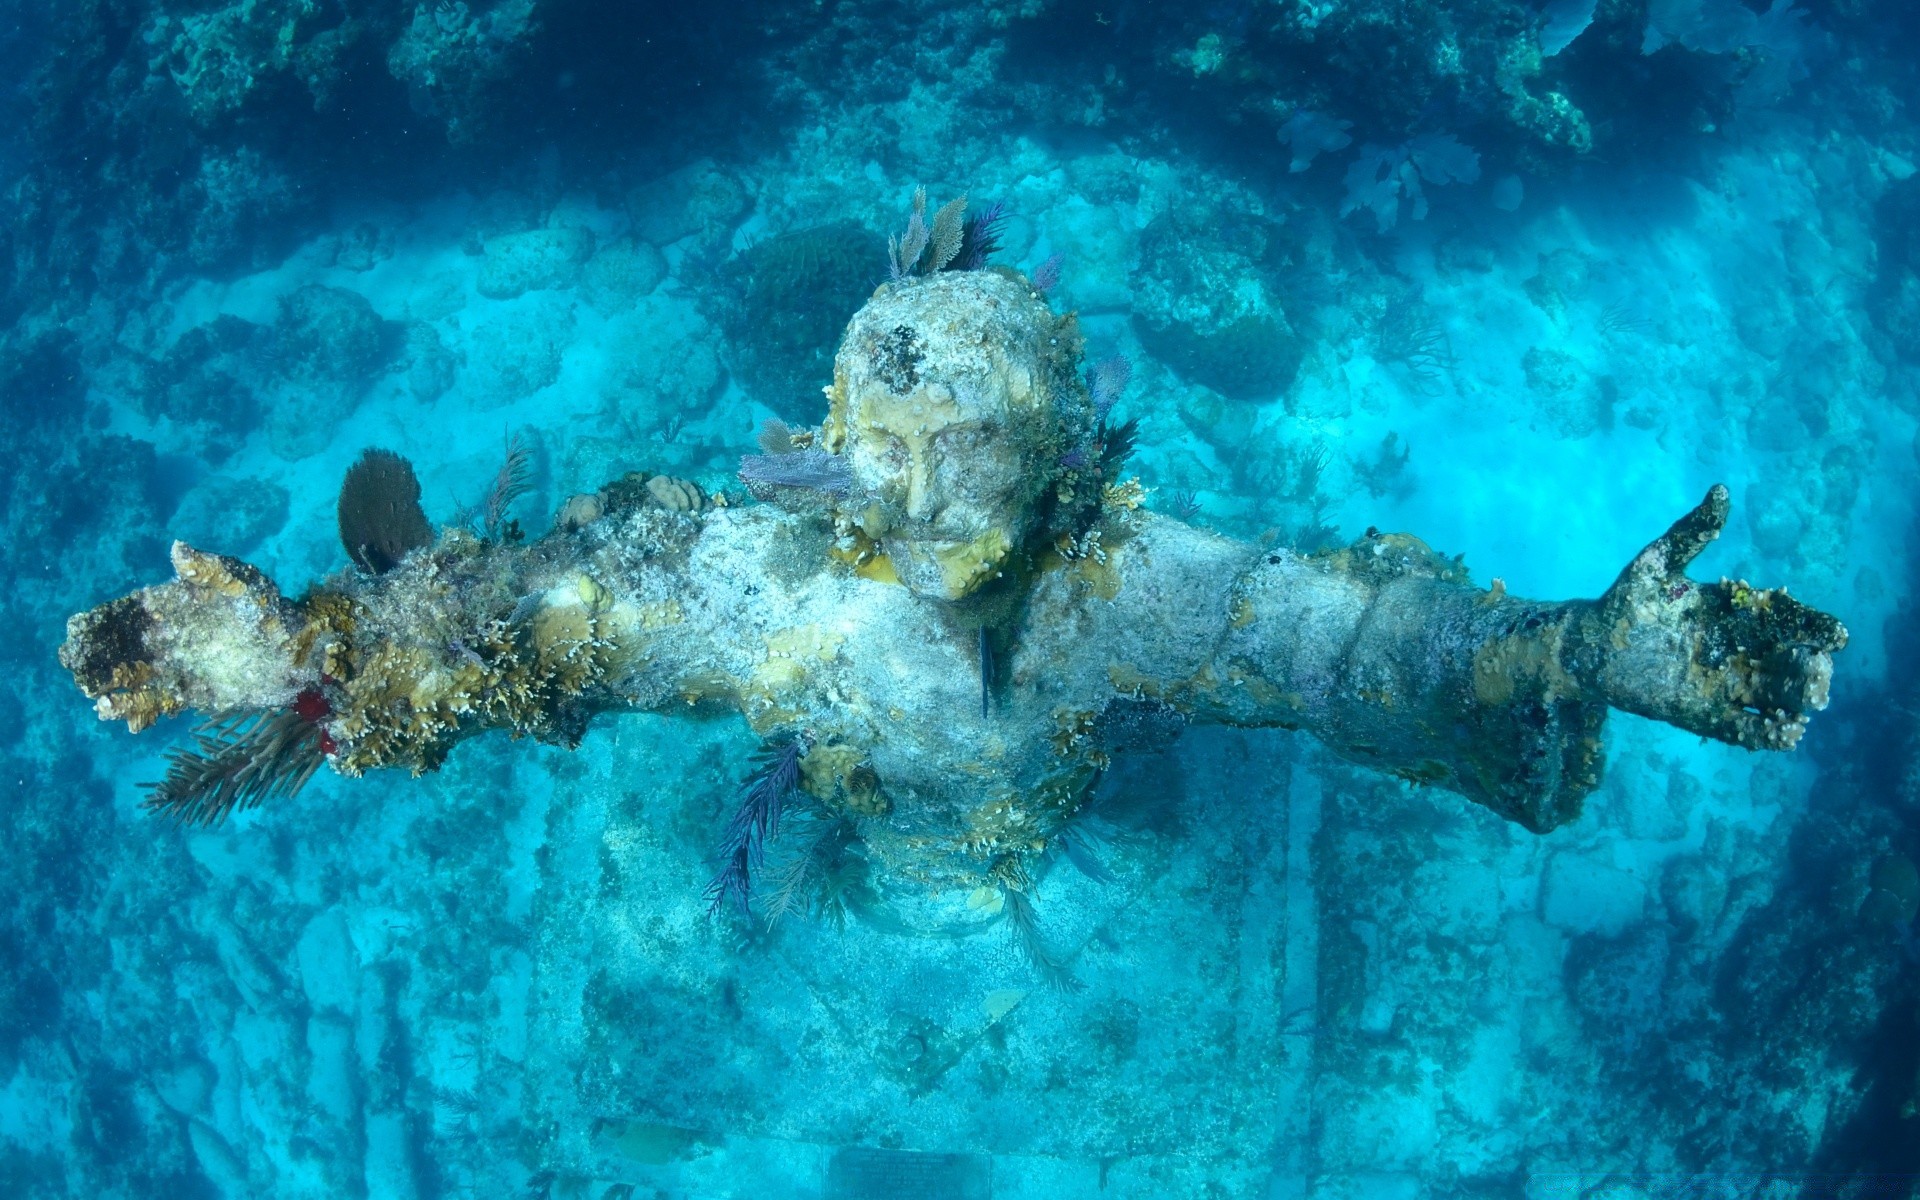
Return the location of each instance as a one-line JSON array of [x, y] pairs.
[[948, 570]]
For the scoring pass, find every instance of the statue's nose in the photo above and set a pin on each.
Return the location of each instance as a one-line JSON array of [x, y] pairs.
[[920, 503]]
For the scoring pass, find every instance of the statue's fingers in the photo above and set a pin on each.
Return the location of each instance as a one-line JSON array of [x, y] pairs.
[[1766, 729], [1682, 543], [1665, 559], [1802, 625], [1793, 679]]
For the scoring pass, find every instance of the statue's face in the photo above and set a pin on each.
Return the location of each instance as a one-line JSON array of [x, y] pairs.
[[949, 404], [950, 483]]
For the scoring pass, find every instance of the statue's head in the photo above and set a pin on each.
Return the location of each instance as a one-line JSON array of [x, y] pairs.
[[957, 403]]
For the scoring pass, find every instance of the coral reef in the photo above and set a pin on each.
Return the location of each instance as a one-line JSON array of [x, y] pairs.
[[534, 259], [1206, 302], [450, 56], [789, 298]]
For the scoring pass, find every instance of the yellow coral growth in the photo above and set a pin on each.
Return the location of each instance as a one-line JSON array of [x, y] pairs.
[[212, 574], [789, 654], [1021, 823], [330, 621], [133, 701], [840, 776], [408, 698]]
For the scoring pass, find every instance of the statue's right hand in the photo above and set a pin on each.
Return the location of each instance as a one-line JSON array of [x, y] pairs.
[[1725, 660]]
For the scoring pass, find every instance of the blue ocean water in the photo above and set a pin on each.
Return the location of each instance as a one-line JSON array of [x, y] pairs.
[[1521, 279]]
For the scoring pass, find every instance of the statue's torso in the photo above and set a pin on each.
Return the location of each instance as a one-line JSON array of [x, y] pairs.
[[887, 686]]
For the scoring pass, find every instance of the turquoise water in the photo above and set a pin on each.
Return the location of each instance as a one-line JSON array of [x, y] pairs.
[[1543, 274]]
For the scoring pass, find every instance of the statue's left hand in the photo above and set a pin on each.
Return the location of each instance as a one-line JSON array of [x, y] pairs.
[[1725, 660]]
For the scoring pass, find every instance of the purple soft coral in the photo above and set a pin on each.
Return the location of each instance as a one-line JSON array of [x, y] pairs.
[[1108, 378], [981, 237], [1046, 276], [814, 470]]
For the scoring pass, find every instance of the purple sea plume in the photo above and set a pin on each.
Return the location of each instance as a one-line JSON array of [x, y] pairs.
[[1106, 381], [981, 238], [1046, 276], [813, 469], [775, 779]]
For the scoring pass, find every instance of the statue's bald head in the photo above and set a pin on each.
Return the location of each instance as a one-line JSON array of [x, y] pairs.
[[955, 399]]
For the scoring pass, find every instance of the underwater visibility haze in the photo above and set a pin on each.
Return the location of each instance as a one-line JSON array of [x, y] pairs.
[[856, 600]]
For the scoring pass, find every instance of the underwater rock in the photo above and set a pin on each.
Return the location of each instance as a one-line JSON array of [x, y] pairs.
[[699, 198], [220, 56], [1616, 984], [662, 364], [1694, 891], [1204, 304], [363, 247], [325, 350], [1561, 280], [240, 211], [788, 299], [620, 273], [231, 516], [431, 367], [516, 263], [1564, 392], [308, 371], [329, 967], [211, 381], [1216, 420], [329, 335], [451, 56], [517, 352]]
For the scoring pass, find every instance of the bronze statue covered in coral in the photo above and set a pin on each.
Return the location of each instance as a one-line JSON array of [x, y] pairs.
[[946, 617]]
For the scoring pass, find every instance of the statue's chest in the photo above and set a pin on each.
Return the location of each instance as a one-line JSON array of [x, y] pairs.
[[920, 696]]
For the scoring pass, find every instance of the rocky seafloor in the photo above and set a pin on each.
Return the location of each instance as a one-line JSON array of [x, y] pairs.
[[1522, 279]]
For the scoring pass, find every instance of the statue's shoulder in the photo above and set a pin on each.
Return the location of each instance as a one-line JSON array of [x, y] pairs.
[[1145, 558], [762, 546]]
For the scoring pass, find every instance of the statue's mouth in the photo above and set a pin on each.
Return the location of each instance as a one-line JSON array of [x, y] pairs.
[[954, 567]]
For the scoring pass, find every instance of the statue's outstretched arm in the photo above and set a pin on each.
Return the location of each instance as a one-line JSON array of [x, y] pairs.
[[394, 669], [1391, 657]]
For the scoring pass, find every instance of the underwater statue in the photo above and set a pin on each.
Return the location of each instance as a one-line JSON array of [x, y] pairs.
[[945, 619]]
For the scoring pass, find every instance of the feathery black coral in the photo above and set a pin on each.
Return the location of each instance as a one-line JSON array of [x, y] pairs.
[[1046, 962], [775, 779], [238, 761]]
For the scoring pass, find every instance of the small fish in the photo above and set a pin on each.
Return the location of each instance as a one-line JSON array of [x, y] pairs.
[[986, 670]]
